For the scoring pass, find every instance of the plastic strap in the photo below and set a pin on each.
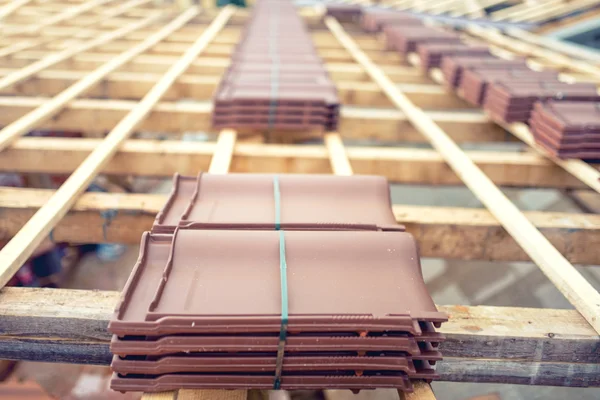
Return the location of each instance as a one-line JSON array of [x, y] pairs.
[[284, 311], [284, 285]]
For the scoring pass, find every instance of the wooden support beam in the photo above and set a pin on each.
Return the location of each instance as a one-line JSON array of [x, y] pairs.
[[163, 158], [11, 7], [55, 58], [538, 346], [12, 47], [443, 232], [204, 65], [129, 85], [16, 252], [48, 109], [565, 277], [221, 159], [356, 123], [337, 154], [66, 15]]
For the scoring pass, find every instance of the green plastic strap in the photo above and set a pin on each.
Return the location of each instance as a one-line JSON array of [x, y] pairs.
[[284, 311], [277, 195]]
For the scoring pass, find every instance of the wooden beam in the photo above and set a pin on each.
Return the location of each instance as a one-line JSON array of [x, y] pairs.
[[55, 58], [47, 110], [12, 47], [337, 154], [565, 277], [20, 247], [204, 65], [174, 118], [443, 232], [11, 7], [221, 159], [486, 344], [163, 158], [66, 15], [129, 85]]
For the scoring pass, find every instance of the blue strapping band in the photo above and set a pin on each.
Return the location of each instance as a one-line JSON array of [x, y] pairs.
[[277, 195], [284, 311]]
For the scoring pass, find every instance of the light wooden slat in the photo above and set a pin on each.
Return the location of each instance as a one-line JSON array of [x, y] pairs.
[[565, 277], [495, 37], [48, 109], [554, 44], [28, 44], [444, 232], [55, 58], [406, 165], [221, 159], [11, 7], [68, 14], [493, 344], [174, 118], [337, 154], [39, 226]]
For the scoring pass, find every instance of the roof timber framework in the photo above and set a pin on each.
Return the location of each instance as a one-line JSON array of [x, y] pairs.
[[486, 344]]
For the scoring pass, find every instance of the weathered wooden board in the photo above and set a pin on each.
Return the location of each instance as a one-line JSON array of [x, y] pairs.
[[485, 344]]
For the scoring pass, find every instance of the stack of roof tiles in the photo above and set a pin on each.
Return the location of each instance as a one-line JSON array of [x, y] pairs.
[[374, 21], [405, 39], [507, 89], [344, 12], [568, 129], [475, 80], [512, 101], [276, 80], [431, 53], [266, 281]]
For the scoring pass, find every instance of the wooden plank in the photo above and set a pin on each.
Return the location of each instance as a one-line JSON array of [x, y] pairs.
[[12, 47], [555, 58], [337, 154], [48, 109], [511, 343], [66, 15], [565, 277], [428, 96], [204, 65], [398, 164], [39, 226], [11, 7], [55, 58], [221, 159], [443, 232], [174, 118]]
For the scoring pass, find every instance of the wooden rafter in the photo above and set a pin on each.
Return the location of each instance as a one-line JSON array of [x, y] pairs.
[[444, 232]]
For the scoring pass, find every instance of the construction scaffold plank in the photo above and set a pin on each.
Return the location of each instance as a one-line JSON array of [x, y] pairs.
[[484, 344]]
